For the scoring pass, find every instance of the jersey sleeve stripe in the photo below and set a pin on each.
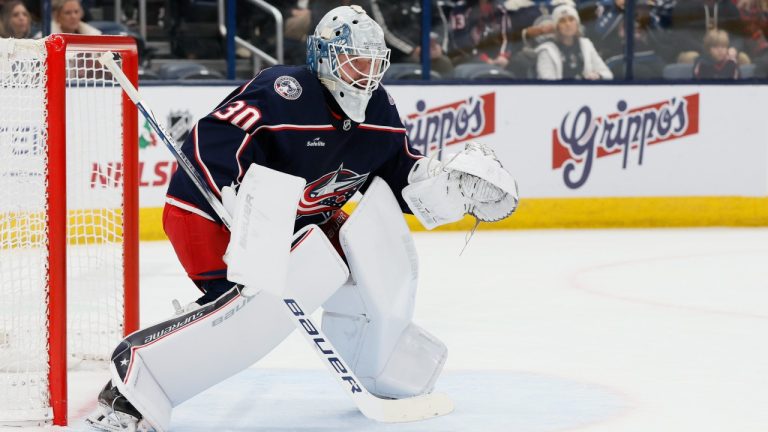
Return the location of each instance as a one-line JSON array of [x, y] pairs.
[[243, 145], [187, 206], [408, 149], [281, 127], [206, 172], [381, 128]]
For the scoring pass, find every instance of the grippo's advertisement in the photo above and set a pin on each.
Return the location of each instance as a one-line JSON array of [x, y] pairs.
[[558, 141]]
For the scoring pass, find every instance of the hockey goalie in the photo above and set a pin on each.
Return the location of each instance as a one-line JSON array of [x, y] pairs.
[[284, 152]]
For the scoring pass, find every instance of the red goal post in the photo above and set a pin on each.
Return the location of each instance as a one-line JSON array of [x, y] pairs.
[[68, 216]]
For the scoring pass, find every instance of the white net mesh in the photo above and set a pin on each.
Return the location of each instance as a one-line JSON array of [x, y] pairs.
[[94, 203], [23, 253], [94, 173]]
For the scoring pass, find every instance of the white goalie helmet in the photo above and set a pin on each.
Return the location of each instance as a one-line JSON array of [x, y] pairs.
[[349, 56]]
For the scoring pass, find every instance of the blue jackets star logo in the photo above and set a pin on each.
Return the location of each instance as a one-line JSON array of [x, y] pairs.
[[329, 192]]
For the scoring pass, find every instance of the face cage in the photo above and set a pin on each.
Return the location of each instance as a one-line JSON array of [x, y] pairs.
[[368, 80]]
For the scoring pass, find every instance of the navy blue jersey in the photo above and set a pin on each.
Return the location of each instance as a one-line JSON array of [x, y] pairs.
[[286, 120], [479, 31]]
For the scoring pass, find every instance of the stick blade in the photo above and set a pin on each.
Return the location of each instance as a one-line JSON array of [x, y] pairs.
[[407, 410]]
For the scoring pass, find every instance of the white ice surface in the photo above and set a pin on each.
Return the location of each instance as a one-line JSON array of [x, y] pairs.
[[595, 330]]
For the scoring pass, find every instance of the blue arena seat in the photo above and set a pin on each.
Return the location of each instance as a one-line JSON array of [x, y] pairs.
[[147, 74], [473, 71], [185, 70], [407, 71], [678, 71], [747, 71]]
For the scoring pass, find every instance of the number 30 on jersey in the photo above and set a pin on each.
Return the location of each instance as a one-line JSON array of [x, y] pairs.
[[239, 114]]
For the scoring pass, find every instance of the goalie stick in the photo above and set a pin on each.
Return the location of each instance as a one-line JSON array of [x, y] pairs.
[[376, 408]]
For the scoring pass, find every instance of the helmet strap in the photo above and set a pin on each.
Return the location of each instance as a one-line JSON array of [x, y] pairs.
[[328, 83]]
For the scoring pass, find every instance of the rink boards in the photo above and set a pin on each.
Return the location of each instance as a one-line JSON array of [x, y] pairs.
[[584, 155]]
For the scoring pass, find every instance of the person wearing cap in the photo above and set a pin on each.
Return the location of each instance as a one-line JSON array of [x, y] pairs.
[[569, 55]]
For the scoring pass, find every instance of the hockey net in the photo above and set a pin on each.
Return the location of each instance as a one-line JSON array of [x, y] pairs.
[[68, 228]]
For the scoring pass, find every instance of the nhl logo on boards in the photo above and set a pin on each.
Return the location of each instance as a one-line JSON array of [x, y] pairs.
[[180, 123], [287, 87]]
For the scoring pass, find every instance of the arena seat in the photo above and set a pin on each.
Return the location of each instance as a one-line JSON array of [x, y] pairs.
[[747, 71], [476, 71], [115, 28], [407, 71], [678, 71], [185, 70], [147, 74]]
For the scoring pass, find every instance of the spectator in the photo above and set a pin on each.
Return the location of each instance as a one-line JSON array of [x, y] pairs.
[[67, 18], [479, 31], [16, 20], [602, 21], [754, 17], [297, 20], [296, 26], [194, 30], [531, 21], [716, 61], [531, 24], [555, 3], [569, 56], [525, 17], [662, 13], [605, 26], [692, 19], [401, 22]]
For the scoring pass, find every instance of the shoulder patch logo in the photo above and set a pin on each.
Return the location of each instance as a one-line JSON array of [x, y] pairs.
[[287, 87], [389, 97]]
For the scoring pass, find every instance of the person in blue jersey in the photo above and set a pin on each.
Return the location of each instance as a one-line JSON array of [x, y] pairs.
[[479, 30], [332, 124]]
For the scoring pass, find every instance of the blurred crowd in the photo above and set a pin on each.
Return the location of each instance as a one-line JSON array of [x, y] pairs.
[[21, 19], [472, 39]]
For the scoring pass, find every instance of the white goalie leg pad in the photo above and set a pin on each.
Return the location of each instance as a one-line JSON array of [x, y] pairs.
[[369, 319], [161, 366]]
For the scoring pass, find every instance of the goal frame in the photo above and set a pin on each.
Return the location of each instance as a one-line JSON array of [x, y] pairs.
[[57, 46]]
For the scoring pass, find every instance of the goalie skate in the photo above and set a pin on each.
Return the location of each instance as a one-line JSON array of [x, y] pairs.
[[116, 414]]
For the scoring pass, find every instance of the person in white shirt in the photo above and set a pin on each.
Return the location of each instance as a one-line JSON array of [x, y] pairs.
[[569, 55]]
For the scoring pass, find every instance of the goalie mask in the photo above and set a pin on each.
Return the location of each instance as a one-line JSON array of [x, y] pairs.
[[349, 56]]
